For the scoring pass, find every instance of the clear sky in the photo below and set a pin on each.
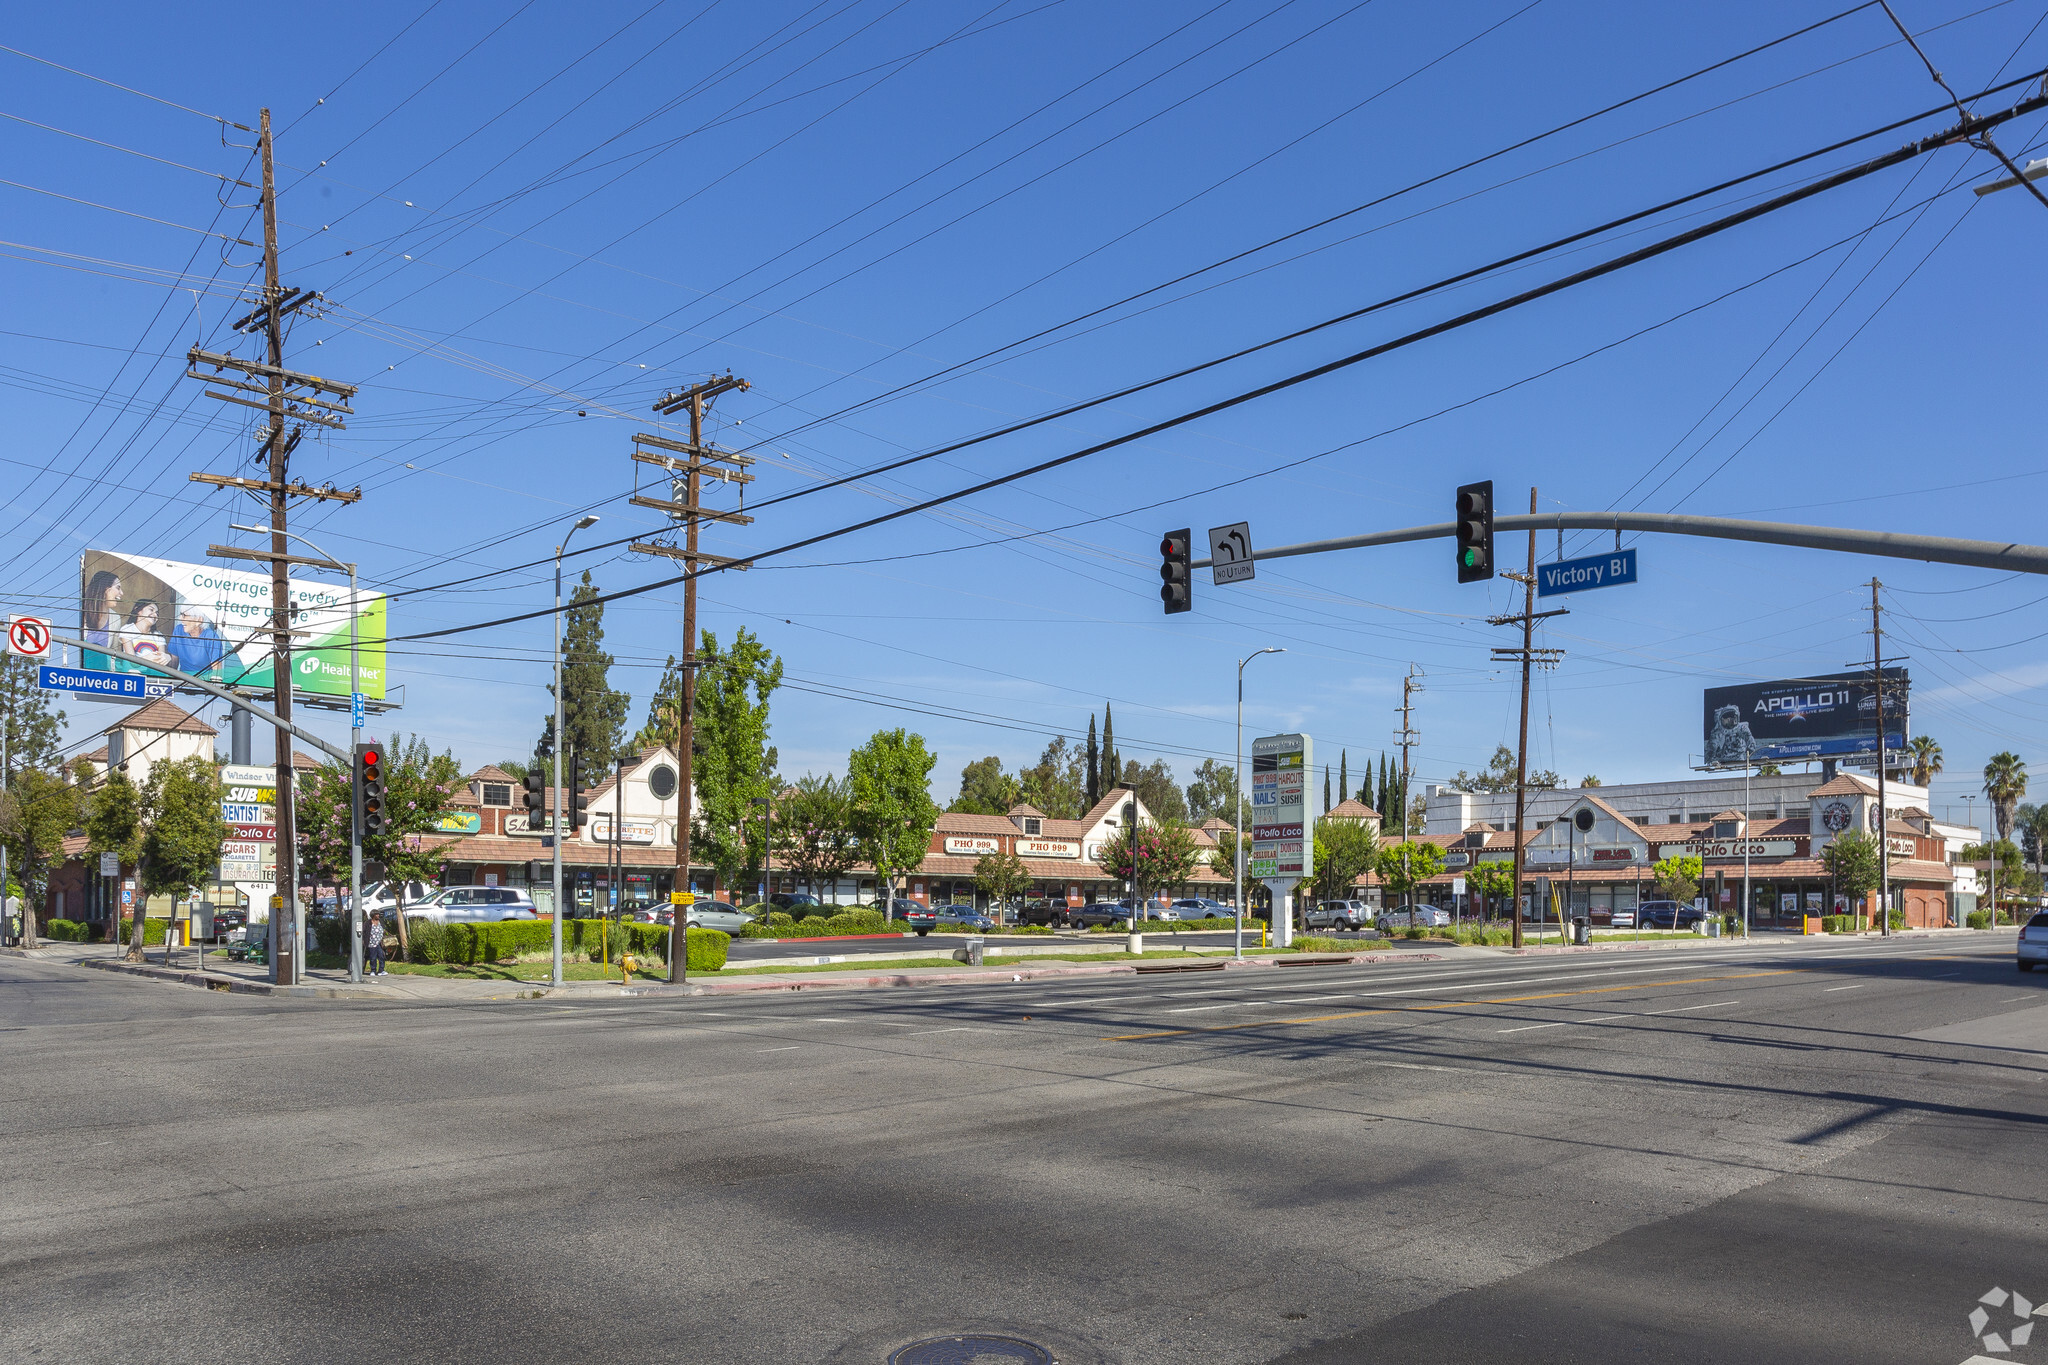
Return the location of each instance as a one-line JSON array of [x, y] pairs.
[[532, 219]]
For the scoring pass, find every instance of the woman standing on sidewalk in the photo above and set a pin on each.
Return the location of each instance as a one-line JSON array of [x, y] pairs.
[[373, 963]]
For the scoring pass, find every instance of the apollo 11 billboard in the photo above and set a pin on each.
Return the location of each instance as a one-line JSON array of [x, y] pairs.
[[1800, 718]]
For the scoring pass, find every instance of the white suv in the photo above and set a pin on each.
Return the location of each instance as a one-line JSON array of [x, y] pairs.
[[2033, 946], [475, 905]]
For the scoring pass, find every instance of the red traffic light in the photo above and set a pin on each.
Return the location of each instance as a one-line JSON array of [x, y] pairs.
[[1173, 546]]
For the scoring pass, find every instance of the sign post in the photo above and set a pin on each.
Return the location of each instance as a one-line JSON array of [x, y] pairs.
[[1283, 841]]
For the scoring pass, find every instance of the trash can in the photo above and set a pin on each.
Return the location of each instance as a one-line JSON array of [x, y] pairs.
[[971, 954], [1580, 931]]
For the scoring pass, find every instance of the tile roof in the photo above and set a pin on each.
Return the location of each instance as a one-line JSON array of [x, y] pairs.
[[162, 714], [1026, 808], [491, 772], [1351, 808], [965, 822], [1845, 784]]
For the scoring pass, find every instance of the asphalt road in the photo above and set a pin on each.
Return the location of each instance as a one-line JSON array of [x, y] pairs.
[[1793, 1153]]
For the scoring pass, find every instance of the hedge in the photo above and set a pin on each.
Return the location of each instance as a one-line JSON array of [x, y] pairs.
[[1980, 919], [152, 930], [67, 931], [1838, 924], [471, 944]]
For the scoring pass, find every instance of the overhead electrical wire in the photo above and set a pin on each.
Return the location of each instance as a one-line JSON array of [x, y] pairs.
[[1610, 266]]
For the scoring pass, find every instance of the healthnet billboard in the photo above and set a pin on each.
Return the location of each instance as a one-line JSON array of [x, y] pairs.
[[1796, 718], [215, 624]]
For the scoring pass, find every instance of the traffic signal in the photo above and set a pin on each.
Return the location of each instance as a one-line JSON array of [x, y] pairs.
[[369, 789], [535, 798], [1475, 532], [1174, 589], [574, 802]]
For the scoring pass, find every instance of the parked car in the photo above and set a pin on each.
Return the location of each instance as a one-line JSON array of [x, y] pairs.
[[1669, 915], [475, 905], [1619, 919], [922, 919], [1044, 913], [963, 916], [1412, 917], [1108, 913], [1201, 907], [1337, 915], [226, 922], [718, 915], [2033, 944], [379, 897]]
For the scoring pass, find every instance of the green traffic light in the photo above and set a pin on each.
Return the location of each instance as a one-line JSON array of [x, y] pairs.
[[1471, 557]]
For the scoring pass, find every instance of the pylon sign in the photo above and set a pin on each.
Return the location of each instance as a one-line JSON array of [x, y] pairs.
[[1283, 842]]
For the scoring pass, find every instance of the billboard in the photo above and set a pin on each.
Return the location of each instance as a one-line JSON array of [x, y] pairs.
[[1283, 844], [1796, 718], [215, 624]]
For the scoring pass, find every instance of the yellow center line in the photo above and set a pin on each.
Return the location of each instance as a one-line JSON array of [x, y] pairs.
[[1451, 1005]]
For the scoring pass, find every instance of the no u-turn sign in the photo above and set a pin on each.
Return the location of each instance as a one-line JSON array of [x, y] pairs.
[[28, 636]]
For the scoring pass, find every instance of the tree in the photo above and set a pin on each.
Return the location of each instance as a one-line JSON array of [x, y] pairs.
[[1494, 881], [889, 779], [39, 808], [1094, 765], [1112, 761], [1058, 784], [1001, 875], [1589, 780], [2030, 824], [664, 712], [2005, 782], [1345, 851], [1418, 815], [593, 715], [1926, 752], [1407, 865], [733, 762], [1768, 769], [1678, 877], [985, 789], [1343, 775], [1499, 775], [1150, 856], [1156, 787], [1852, 860], [814, 835], [1223, 858], [182, 834], [1326, 789], [32, 729], [1213, 791], [2013, 876], [113, 820], [515, 768]]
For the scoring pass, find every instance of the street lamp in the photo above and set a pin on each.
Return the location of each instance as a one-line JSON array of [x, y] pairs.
[[355, 737], [556, 820], [1237, 804]]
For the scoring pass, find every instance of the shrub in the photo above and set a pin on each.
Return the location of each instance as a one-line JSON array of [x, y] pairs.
[[331, 935], [152, 930], [1897, 918], [428, 941], [1978, 919], [1414, 932], [65, 931], [1314, 943]]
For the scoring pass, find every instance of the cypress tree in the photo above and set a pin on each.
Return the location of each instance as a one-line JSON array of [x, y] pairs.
[[1326, 789], [1112, 766], [1343, 775], [1094, 765]]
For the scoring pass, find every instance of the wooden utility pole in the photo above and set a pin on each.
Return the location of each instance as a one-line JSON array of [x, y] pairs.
[[1884, 833], [1528, 656], [684, 505], [285, 396], [1406, 737]]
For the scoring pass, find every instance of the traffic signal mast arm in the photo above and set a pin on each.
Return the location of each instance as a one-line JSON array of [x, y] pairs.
[[1979, 554]]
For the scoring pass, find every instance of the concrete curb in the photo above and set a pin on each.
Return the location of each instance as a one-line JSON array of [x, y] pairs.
[[1737, 941], [850, 980], [238, 985]]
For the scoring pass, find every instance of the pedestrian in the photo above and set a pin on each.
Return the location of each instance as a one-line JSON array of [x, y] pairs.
[[373, 965]]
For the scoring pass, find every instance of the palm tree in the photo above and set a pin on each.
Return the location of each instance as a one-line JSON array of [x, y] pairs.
[[2005, 782], [1926, 751]]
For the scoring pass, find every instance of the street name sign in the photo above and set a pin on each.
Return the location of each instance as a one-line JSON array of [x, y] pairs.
[[93, 682], [1230, 554], [1592, 571]]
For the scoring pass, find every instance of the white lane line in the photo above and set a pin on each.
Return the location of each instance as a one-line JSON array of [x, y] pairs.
[[791, 1048], [1688, 1008], [962, 1029], [1563, 1023], [1857, 987], [1943, 975], [2010, 998]]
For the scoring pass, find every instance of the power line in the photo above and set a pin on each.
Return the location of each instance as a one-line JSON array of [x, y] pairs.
[[128, 88], [1608, 267]]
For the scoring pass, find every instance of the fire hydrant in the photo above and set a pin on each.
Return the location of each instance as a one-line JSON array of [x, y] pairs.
[[627, 966]]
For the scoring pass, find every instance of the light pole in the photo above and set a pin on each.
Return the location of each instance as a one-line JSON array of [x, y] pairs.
[[1748, 767], [1237, 802], [556, 820], [767, 805], [355, 737]]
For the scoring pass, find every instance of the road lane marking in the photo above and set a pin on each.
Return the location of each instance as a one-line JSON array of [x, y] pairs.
[[791, 1048], [1565, 1023], [1857, 987], [962, 1029], [1462, 1004], [1687, 1009]]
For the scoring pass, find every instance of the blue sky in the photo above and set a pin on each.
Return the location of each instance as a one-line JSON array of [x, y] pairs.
[[531, 220]]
